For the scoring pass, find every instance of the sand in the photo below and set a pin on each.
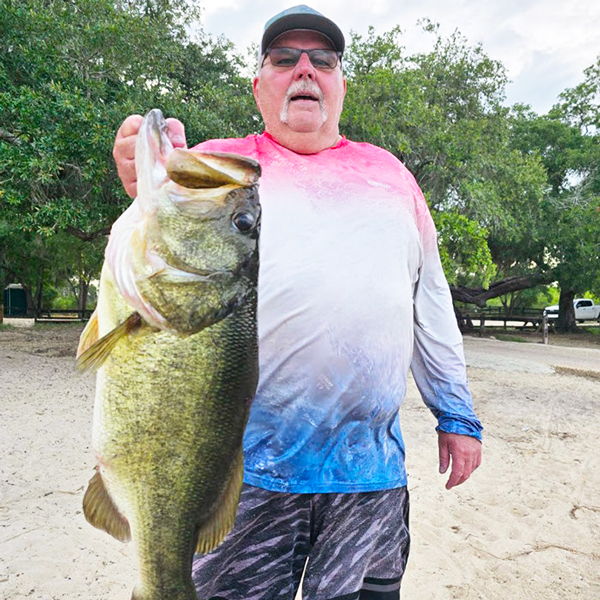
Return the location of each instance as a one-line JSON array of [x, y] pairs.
[[525, 527]]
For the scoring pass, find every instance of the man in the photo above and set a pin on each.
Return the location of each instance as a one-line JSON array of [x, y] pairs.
[[351, 295]]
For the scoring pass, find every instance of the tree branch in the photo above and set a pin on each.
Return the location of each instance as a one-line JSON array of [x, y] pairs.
[[7, 136], [87, 236], [480, 296]]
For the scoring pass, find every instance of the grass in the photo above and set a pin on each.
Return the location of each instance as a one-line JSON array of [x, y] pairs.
[[591, 330], [62, 325], [585, 337], [511, 338]]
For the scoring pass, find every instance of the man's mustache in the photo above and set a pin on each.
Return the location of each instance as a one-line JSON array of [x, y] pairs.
[[304, 86], [300, 87]]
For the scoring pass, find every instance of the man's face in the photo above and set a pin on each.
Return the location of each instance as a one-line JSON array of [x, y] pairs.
[[301, 99]]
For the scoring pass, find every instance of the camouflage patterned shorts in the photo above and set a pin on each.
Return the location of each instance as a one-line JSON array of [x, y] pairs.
[[356, 545]]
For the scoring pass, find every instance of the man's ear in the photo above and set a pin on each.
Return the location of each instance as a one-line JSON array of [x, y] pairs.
[[255, 91]]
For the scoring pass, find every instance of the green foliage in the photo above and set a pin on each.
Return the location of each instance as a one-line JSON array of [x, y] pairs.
[[463, 250], [575, 243], [70, 72], [439, 112], [567, 141]]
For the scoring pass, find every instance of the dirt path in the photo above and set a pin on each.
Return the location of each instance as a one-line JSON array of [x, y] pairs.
[[527, 525]]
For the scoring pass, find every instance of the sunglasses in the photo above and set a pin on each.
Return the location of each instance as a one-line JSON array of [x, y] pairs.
[[288, 57]]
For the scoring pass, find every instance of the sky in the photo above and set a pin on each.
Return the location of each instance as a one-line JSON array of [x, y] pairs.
[[545, 45]]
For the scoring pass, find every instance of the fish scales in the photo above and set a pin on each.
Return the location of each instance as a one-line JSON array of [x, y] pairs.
[[178, 363]]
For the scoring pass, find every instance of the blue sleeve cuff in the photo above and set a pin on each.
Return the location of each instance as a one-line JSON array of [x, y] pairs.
[[460, 425]]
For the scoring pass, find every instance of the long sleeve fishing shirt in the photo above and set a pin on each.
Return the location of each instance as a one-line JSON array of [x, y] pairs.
[[351, 296]]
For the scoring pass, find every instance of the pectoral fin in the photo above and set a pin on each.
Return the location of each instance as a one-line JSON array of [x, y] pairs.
[[94, 354], [89, 335], [213, 532], [101, 512]]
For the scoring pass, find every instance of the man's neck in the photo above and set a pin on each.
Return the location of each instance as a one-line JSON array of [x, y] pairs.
[[305, 143]]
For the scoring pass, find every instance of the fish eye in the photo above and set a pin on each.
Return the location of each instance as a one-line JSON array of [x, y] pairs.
[[244, 221]]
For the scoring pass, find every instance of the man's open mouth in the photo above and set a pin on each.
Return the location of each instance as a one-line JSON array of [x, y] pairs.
[[304, 96]]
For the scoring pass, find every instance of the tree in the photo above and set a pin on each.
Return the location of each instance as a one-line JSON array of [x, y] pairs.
[[567, 140], [70, 71]]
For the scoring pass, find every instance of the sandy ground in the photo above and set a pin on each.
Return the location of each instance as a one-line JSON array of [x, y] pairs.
[[525, 527]]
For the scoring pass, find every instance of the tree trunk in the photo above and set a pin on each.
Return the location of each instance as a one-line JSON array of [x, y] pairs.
[[83, 295], [37, 300], [464, 323], [30, 301], [566, 312], [480, 296]]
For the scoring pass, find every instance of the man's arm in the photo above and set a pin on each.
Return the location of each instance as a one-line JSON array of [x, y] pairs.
[[438, 363], [124, 148]]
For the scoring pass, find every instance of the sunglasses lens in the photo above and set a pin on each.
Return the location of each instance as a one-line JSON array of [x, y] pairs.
[[323, 59], [288, 57], [284, 57]]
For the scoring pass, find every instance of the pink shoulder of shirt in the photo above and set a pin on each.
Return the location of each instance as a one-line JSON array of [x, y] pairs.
[[381, 160]]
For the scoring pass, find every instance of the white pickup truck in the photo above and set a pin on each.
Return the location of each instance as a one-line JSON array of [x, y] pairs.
[[585, 310]]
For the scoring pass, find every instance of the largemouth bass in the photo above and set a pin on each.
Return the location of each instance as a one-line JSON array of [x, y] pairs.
[[174, 340]]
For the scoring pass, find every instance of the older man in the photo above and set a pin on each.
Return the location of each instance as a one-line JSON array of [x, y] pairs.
[[351, 295]]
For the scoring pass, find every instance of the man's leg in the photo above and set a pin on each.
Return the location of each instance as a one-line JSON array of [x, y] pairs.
[[264, 555], [360, 546]]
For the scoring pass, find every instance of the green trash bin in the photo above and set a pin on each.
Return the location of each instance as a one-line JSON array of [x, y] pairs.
[[14, 299]]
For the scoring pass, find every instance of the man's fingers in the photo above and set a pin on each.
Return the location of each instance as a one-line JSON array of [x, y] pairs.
[[130, 126], [124, 148], [128, 176], [124, 152], [465, 454], [176, 131], [444, 457], [459, 474]]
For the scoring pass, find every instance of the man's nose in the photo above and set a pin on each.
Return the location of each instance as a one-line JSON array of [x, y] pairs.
[[304, 68]]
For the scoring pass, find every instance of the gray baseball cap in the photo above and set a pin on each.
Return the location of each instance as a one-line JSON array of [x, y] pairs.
[[301, 17]]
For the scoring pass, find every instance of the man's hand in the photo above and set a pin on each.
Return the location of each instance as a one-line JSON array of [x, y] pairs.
[[465, 452], [124, 148]]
